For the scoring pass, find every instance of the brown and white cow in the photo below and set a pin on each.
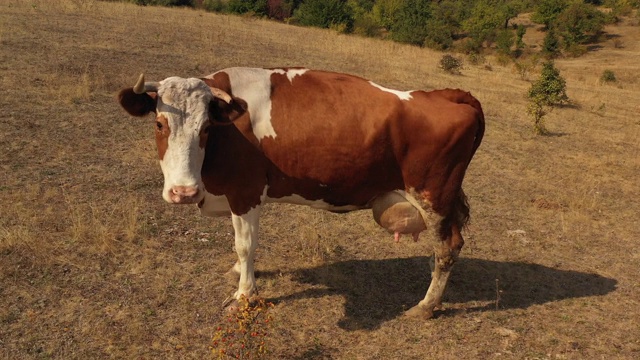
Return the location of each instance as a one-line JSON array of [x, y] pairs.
[[243, 137]]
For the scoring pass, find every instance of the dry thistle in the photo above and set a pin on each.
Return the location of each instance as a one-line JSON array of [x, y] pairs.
[[244, 332]]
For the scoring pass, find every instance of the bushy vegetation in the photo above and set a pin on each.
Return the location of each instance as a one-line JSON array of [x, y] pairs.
[[325, 14], [549, 90], [479, 24], [163, 2], [450, 64], [550, 87], [247, 6], [608, 76]]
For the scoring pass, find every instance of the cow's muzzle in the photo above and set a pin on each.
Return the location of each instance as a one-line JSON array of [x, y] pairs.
[[185, 194]]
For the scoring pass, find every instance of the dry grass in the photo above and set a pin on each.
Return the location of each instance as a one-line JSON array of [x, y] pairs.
[[93, 263]]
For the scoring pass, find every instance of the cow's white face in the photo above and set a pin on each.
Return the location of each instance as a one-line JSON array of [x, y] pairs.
[[182, 124]]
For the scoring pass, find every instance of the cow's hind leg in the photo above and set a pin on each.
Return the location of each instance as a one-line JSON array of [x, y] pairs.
[[445, 255]]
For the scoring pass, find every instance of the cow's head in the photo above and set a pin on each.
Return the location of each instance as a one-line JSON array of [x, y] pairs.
[[185, 110]]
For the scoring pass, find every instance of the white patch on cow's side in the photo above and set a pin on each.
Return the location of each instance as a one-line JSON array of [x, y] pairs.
[[214, 205], [316, 204], [402, 95], [291, 73], [254, 86]]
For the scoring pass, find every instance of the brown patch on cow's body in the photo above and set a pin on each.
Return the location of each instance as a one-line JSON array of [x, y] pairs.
[[343, 141], [343, 154], [234, 167], [162, 135]]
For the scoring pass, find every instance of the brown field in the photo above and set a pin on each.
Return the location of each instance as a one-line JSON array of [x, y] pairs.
[[94, 264]]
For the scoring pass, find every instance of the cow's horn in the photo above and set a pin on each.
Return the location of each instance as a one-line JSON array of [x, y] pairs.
[[221, 94], [142, 87]]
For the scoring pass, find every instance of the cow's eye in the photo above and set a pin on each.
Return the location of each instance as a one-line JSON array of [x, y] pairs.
[[206, 129], [159, 125]]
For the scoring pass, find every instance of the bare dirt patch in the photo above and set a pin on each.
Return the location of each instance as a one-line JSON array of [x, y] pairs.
[[94, 264]]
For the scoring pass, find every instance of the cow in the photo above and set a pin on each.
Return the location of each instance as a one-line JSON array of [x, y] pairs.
[[239, 138]]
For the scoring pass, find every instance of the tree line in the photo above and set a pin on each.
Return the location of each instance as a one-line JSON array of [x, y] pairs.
[[469, 26]]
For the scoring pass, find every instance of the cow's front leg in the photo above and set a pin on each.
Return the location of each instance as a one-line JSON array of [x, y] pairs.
[[246, 233]]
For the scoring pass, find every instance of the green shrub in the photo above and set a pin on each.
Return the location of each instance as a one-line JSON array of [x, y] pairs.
[[547, 11], [258, 7], [520, 45], [523, 68], [483, 21], [550, 45], [409, 24], [576, 50], [386, 11], [450, 64], [471, 46], [476, 59], [537, 110], [504, 41], [366, 25], [579, 23], [214, 5], [165, 2], [608, 76], [439, 35], [324, 14], [550, 88]]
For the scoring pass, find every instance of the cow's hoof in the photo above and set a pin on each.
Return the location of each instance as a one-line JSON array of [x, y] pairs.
[[419, 312]]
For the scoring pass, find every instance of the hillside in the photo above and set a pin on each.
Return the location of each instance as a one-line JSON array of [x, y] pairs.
[[94, 264]]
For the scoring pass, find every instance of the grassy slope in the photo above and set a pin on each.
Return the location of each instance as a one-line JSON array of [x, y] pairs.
[[93, 264]]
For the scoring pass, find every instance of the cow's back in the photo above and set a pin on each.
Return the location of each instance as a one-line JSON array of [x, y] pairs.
[[339, 137]]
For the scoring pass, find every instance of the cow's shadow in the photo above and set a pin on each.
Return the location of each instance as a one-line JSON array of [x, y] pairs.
[[379, 290]]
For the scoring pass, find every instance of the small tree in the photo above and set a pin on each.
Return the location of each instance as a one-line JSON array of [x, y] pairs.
[[547, 91], [439, 35], [550, 45], [550, 87], [504, 41], [578, 23], [444, 24], [520, 31], [385, 12], [547, 11], [537, 110], [483, 22]]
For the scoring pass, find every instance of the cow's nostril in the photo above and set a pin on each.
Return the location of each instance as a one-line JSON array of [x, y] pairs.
[[185, 191]]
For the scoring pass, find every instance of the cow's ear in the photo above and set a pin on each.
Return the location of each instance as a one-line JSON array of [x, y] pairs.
[[223, 112], [137, 104]]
